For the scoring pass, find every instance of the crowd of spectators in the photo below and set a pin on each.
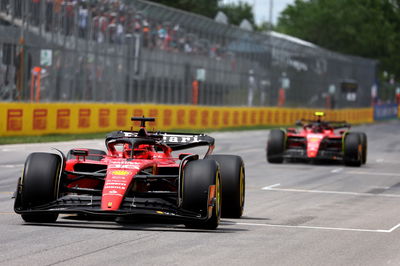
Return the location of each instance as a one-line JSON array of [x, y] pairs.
[[111, 21]]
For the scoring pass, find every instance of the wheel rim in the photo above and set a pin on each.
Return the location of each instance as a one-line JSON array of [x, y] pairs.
[[241, 187], [360, 152], [218, 196]]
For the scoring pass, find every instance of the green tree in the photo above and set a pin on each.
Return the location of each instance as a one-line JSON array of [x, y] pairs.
[[237, 12], [264, 26], [368, 28]]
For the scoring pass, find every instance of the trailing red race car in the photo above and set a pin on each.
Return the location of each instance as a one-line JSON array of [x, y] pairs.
[[136, 178], [318, 140]]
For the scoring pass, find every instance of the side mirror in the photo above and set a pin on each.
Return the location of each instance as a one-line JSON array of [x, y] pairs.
[[80, 152]]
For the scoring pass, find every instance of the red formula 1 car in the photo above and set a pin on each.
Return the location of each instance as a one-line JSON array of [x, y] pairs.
[[136, 178], [318, 140]]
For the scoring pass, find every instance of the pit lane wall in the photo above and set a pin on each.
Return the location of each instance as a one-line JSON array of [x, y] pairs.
[[29, 119]]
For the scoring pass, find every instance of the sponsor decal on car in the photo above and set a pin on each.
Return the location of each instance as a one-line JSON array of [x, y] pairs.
[[120, 172]]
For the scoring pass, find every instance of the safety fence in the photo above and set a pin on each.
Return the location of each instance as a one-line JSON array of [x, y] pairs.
[[18, 119], [134, 51]]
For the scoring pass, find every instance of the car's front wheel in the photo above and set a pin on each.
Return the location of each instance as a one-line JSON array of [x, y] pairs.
[[201, 192], [39, 185]]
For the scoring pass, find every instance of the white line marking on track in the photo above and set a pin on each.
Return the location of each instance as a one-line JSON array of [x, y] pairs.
[[337, 170], [7, 150], [318, 227], [333, 192], [394, 228], [380, 160], [272, 186], [372, 173], [11, 165]]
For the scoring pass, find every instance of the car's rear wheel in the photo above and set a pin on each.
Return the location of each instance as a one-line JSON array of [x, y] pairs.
[[233, 184], [39, 185], [275, 146], [94, 154], [352, 149], [198, 178]]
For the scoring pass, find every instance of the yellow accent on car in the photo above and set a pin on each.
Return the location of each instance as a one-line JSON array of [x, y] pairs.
[[120, 172]]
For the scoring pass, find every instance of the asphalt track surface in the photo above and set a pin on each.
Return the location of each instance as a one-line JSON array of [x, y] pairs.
[[295, 214]]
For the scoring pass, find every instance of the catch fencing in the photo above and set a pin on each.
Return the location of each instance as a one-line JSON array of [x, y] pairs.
[[140, 52]]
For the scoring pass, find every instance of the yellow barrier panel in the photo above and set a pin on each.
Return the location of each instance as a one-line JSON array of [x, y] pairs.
[[19, 119]]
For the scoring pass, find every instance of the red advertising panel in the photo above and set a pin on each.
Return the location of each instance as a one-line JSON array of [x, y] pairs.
[[225, 118], [63, 118], [39, 119], [253, 118], [276, 118], [167, 117], [204, 118], [269, 117], [215, 118], [244, 118], [192, 117], [104, 117], [153, 113], [84, 118], [235, 118], [122, 117], [180, 117], [261, 117], [14, 119], [284, 118]]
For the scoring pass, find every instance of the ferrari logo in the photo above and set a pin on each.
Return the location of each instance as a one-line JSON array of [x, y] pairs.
[[109, 205]]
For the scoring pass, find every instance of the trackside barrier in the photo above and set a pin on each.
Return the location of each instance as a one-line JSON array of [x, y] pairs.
[[385, 111], [29, 119]]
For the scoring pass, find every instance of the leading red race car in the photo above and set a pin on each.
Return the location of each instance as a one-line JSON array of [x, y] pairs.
[[136, 178], [318, 140]]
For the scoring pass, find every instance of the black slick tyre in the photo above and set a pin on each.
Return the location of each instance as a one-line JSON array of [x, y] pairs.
[[233, 184], [39, 185], [352, 149], [198, 176], [275, 146]]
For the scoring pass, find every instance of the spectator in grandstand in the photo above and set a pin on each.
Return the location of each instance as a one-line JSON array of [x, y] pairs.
[[83, 14], [69, 7], [111, 30], [101, 27], [146, 34], [120, 31], [162, 34]]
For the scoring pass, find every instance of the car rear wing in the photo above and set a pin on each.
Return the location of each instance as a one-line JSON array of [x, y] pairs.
[[176, 141], [333, 124]]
